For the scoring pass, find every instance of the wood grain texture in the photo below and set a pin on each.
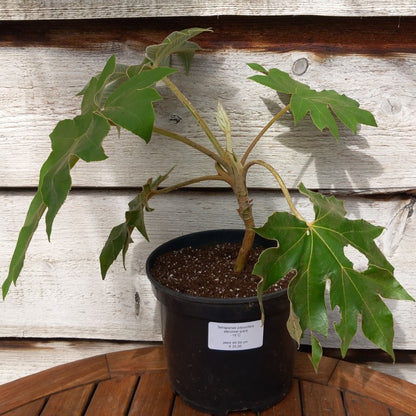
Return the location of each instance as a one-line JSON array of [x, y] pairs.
[[112, 397], [46, 62], [181, 409], [321, 400], [57, 9], [69, 402], [42, 91], [363, 381], [323, 35], [32, 408], [357, 404], [291, 404], [61, 294], [112, 394], [57, 379], [22, 357], [153, 397]]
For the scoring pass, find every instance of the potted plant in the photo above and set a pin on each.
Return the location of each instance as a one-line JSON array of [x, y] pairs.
[[303, 256]]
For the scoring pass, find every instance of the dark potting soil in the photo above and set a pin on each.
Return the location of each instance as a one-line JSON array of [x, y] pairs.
[[209, 272]]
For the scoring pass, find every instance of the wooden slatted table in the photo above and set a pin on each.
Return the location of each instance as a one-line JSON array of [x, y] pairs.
[[135, 382]]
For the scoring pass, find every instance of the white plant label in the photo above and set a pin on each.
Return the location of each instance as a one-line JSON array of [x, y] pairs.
[[235, 336]]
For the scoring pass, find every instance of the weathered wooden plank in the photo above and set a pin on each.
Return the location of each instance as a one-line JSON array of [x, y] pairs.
[[22, 357], [32, 408], [325, 35], [304, 369], [60, 378], [58, 9], [41, 91], [361, 380], [112, 397], [356, 405], [181, 409], [136, 361], [69, 402], [60, 292], [291, 404], [154, 396], [319, 400]]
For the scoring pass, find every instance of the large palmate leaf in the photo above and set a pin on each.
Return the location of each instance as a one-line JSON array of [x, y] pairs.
[[322, 106], [131, 105], [120, 236], [176, 43], [316, 251]]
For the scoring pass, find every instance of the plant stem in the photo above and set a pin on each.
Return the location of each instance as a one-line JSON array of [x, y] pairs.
[[282, 185], [181, 97], [191, 182], [262, 132], [189, 142]]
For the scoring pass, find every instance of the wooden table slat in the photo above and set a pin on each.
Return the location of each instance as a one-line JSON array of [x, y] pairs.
[[181, 409], [357, 405], [319, 400], [392, 391], [395, 412], [112, 397], [135, 382], [71, 402], [304, 369], [19, 392], [154, 396], [291, 404], [30, 409], [136, 361]]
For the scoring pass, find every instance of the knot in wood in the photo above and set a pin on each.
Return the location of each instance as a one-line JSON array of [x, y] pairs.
[[300, 66]]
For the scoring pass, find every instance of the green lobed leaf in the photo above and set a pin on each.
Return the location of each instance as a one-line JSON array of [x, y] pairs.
[[322, 106], [316, 353], [80, 138], [131, 105], [316, 252], [178, 43], [34, 214], [120, 236], [95, 87]]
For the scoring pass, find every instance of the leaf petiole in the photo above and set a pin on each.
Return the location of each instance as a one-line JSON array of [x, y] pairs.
[[202, 123], [282, 186], [263, 131]]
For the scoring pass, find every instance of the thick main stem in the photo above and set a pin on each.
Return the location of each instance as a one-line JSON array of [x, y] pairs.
[[245, 211]]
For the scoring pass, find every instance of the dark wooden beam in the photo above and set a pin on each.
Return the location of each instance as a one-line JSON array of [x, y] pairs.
[[326, 35]]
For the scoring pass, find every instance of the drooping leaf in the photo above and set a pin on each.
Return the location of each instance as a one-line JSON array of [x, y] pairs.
[[131, 105], [315, 251], [95, 87], [118, 240], [322, 106], [120, 236], [34, 214], [316, 353], [80, 138], [176, 43]]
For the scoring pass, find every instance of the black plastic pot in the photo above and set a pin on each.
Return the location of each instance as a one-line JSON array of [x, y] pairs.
[[218, 358]]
